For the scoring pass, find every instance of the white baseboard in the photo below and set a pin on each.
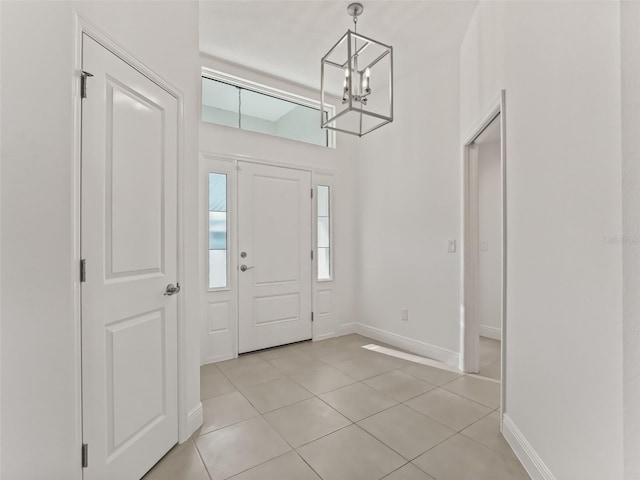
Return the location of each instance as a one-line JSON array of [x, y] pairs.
[[490, 332], [217, 358], [324, 336], [530, 460], [346, 329], [414, 346], [194, 421]]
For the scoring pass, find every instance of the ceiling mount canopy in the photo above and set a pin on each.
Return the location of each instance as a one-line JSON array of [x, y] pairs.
[[360, 70]]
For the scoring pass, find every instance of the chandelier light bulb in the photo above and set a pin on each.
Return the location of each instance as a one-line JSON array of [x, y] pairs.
[[366, 86]]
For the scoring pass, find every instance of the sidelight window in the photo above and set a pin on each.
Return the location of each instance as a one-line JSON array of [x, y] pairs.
[[324, 233], [218, 231]]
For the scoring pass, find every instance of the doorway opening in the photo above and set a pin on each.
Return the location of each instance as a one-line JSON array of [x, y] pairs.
[[483, 289]]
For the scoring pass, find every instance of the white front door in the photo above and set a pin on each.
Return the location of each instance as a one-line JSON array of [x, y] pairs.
[[128, 240], [274, 230]]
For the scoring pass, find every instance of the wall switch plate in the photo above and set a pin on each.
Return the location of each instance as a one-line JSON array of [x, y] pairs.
[[484, 246], [405, 315], [451, 246]]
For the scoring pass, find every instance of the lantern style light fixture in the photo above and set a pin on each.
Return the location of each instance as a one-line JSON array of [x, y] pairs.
[[360, 71]]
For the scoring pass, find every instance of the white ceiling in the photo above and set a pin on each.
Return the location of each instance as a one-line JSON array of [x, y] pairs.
[[288, 38]]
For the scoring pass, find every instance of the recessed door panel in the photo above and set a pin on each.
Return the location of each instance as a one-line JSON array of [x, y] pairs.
[[134, 165], [276, 223], [135, 389], [276, 309]]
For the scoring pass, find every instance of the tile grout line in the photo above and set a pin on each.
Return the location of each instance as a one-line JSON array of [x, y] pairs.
[[351, 422], [399, 402], [409, 460], [394, 471], [470, 399], [206, 468]]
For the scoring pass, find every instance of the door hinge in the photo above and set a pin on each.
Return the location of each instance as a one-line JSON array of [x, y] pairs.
[[311, 254], [85, 455], [83, 83], [83, 270], [312, 193], [312, 316]]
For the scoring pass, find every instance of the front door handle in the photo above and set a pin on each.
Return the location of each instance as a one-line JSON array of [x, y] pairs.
[[172, 289], [244, 268]]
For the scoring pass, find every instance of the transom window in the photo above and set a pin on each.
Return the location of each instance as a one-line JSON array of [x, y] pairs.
[[234, 102]]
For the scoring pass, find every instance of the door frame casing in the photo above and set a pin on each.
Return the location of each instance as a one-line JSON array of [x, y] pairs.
[[469, 327], [187, 421]]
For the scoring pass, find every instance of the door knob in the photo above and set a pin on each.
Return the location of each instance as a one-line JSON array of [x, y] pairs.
[[244, 268], [172, 289]]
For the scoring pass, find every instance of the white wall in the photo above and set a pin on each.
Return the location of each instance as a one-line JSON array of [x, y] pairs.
[[630, 22], [409, 189], [490, 237], [235, 143], [560, 65], [40, 394]]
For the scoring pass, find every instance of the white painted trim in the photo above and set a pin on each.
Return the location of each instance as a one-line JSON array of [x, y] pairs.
[[346, 329], [493, 111], [490, 332], [324, 336], [469, 328], [76, 373], [76, 233], [85, 26], [119, 50], [469, 350], [194, 421], [412, 358], [417, 347], [529, 458], [235, 157], [218, 358], [503, 320]]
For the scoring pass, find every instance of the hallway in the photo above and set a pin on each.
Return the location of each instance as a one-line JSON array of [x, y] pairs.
[[334, 410]]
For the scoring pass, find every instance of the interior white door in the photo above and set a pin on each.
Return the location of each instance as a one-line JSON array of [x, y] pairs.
[[128, 240], [274, 232]]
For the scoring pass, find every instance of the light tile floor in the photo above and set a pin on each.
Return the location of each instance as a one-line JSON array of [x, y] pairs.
[[331, 410]]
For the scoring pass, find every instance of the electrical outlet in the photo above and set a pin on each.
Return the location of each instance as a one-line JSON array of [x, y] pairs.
[[404, 315], [451, 246]]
